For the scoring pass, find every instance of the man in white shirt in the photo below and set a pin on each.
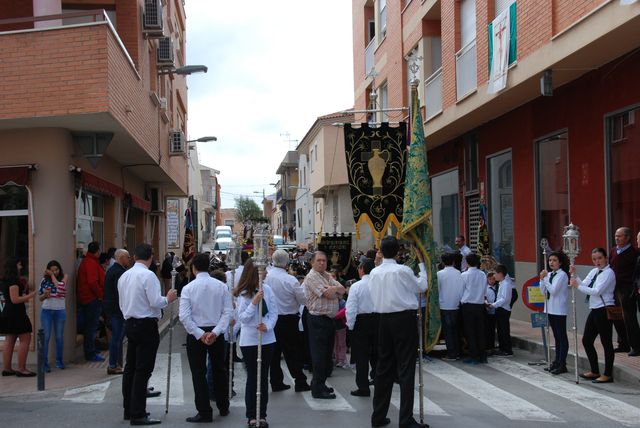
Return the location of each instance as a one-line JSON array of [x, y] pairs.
[[450, 287], [474, 313], [364, 324], [464, 251], [394, 289], [141, 304], [289, 295], [205, 311]]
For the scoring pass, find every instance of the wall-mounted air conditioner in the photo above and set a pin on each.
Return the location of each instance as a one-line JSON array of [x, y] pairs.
[[165, 52], [177, 143], [152, 19]]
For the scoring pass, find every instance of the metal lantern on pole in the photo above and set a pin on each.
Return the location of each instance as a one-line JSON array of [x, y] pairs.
[[233, 260], [261, 259], [571, 247]]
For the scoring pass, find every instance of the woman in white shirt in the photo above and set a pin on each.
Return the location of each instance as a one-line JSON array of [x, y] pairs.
[[249, 297], [598, 286], [555, 286]]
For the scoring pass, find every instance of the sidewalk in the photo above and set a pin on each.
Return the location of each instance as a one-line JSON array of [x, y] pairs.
[[76, 374], [625, 368]]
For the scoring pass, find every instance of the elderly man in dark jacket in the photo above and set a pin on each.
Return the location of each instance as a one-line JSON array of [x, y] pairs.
[[112, 310]]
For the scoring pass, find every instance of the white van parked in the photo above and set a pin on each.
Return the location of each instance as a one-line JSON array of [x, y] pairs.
[[222, 231]]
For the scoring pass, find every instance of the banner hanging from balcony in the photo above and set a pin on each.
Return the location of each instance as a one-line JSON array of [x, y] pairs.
[[338, 251], [376, 161], [500, 36]]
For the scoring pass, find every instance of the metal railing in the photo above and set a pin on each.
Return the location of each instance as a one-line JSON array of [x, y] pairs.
[[96, 15], [433, 94], [466, 70], [369, 57]]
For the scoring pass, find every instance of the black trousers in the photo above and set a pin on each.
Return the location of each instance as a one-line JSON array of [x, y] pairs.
[[364, 347], [598, 325], [558, 324], [490, 342], [289, 342], [143, 340], [250, 358], [450, 329], [474, 316], [322, 332], [628, 329], [504, 330], [397, 353], [197, 354]]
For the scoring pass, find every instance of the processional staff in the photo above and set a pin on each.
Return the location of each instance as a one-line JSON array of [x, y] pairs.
[[571, 247]]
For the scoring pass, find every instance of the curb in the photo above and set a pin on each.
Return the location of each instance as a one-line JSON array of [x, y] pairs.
[[620, 372]]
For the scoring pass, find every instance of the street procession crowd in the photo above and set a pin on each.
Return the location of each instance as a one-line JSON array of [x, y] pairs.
[[305, 312]]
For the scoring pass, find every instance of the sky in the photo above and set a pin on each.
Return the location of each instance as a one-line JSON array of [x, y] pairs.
[[274, 67]]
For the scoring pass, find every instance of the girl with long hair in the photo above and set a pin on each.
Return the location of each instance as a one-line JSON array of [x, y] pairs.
[[53, 288], [249, 296]]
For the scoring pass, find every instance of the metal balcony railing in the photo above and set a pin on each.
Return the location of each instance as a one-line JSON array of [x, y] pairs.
[[466, 70], [433, 94]]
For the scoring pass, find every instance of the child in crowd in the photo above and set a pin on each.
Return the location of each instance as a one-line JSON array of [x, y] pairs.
[[490, 297]]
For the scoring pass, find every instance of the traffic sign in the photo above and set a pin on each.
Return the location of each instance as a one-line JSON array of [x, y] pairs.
[[532, 297]]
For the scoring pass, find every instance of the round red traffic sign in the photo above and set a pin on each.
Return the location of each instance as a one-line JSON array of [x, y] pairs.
[[532, 297]]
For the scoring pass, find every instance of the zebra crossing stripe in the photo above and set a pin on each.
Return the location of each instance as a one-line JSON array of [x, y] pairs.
[[91, 394], [239, 385], [608, 407], [430, 408], [511, 406], [158, 379]]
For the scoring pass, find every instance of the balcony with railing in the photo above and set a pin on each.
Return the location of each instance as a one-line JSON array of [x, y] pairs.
[[466, 70], [433, 94], [369, 56]]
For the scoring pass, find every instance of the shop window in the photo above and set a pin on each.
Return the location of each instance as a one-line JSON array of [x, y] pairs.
[[552, 188], [444, 190], [14, 226], [501, 210], [90, 225], [623, 143]]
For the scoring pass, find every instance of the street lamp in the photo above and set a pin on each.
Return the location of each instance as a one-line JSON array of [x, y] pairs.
[[184, 71], [200, 140]]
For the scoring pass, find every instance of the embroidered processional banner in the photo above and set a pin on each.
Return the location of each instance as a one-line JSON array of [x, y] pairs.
[[338, 251], [500, 37], [376, 159]]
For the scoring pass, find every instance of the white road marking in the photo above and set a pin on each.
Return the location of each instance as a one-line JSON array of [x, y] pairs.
[[608, 407], [158, 380], [430, 408], [239, 385], [91, 394], [337, 404], [511, 406]]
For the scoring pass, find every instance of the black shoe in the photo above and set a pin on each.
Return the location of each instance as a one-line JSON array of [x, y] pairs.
[[559, 370], [281, 387], [634, 353], [382, 423], [127, 416], [324, 395], [145, 421], [361, 393], [329, 390], [200, 418], [622, 349], [549, 368], [224, 412], [415, 425], [151, 394], [302, 388]]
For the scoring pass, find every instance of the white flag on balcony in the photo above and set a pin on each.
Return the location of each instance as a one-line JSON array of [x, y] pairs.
[[500, 58], [626, 2]]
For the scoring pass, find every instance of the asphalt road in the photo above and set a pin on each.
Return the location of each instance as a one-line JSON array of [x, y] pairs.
[[506, 392]]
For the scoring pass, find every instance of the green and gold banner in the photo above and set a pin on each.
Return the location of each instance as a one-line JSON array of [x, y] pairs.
[[376, 159]]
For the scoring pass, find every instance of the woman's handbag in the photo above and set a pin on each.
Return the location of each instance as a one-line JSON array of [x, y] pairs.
[[614, 313]]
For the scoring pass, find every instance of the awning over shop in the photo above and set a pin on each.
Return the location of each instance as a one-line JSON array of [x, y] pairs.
[[96, 184], [18, 175]]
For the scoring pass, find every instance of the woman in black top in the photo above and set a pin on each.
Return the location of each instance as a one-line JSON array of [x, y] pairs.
[[14, 322]]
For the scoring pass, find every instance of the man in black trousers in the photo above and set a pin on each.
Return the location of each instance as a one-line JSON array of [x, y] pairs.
[[363, 323], [394, 292], [622, 259], [205, 311], [141, 304]]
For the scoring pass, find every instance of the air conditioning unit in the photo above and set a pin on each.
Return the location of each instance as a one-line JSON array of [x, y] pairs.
[[162, 102], [177, 143], [157, 200], [165, 52], [152, 18]]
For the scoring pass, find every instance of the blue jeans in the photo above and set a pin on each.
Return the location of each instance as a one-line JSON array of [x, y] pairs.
[[91, 312], [117, 336], [53, 319]]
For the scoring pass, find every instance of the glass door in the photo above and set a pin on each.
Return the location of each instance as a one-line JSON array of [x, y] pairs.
[[501, 210]]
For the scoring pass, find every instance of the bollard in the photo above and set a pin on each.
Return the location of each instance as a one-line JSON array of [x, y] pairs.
[[41, 351]]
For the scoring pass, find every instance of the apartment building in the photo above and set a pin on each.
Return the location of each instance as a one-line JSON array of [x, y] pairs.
[[286, 188], [557, 144], [92, 125]]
